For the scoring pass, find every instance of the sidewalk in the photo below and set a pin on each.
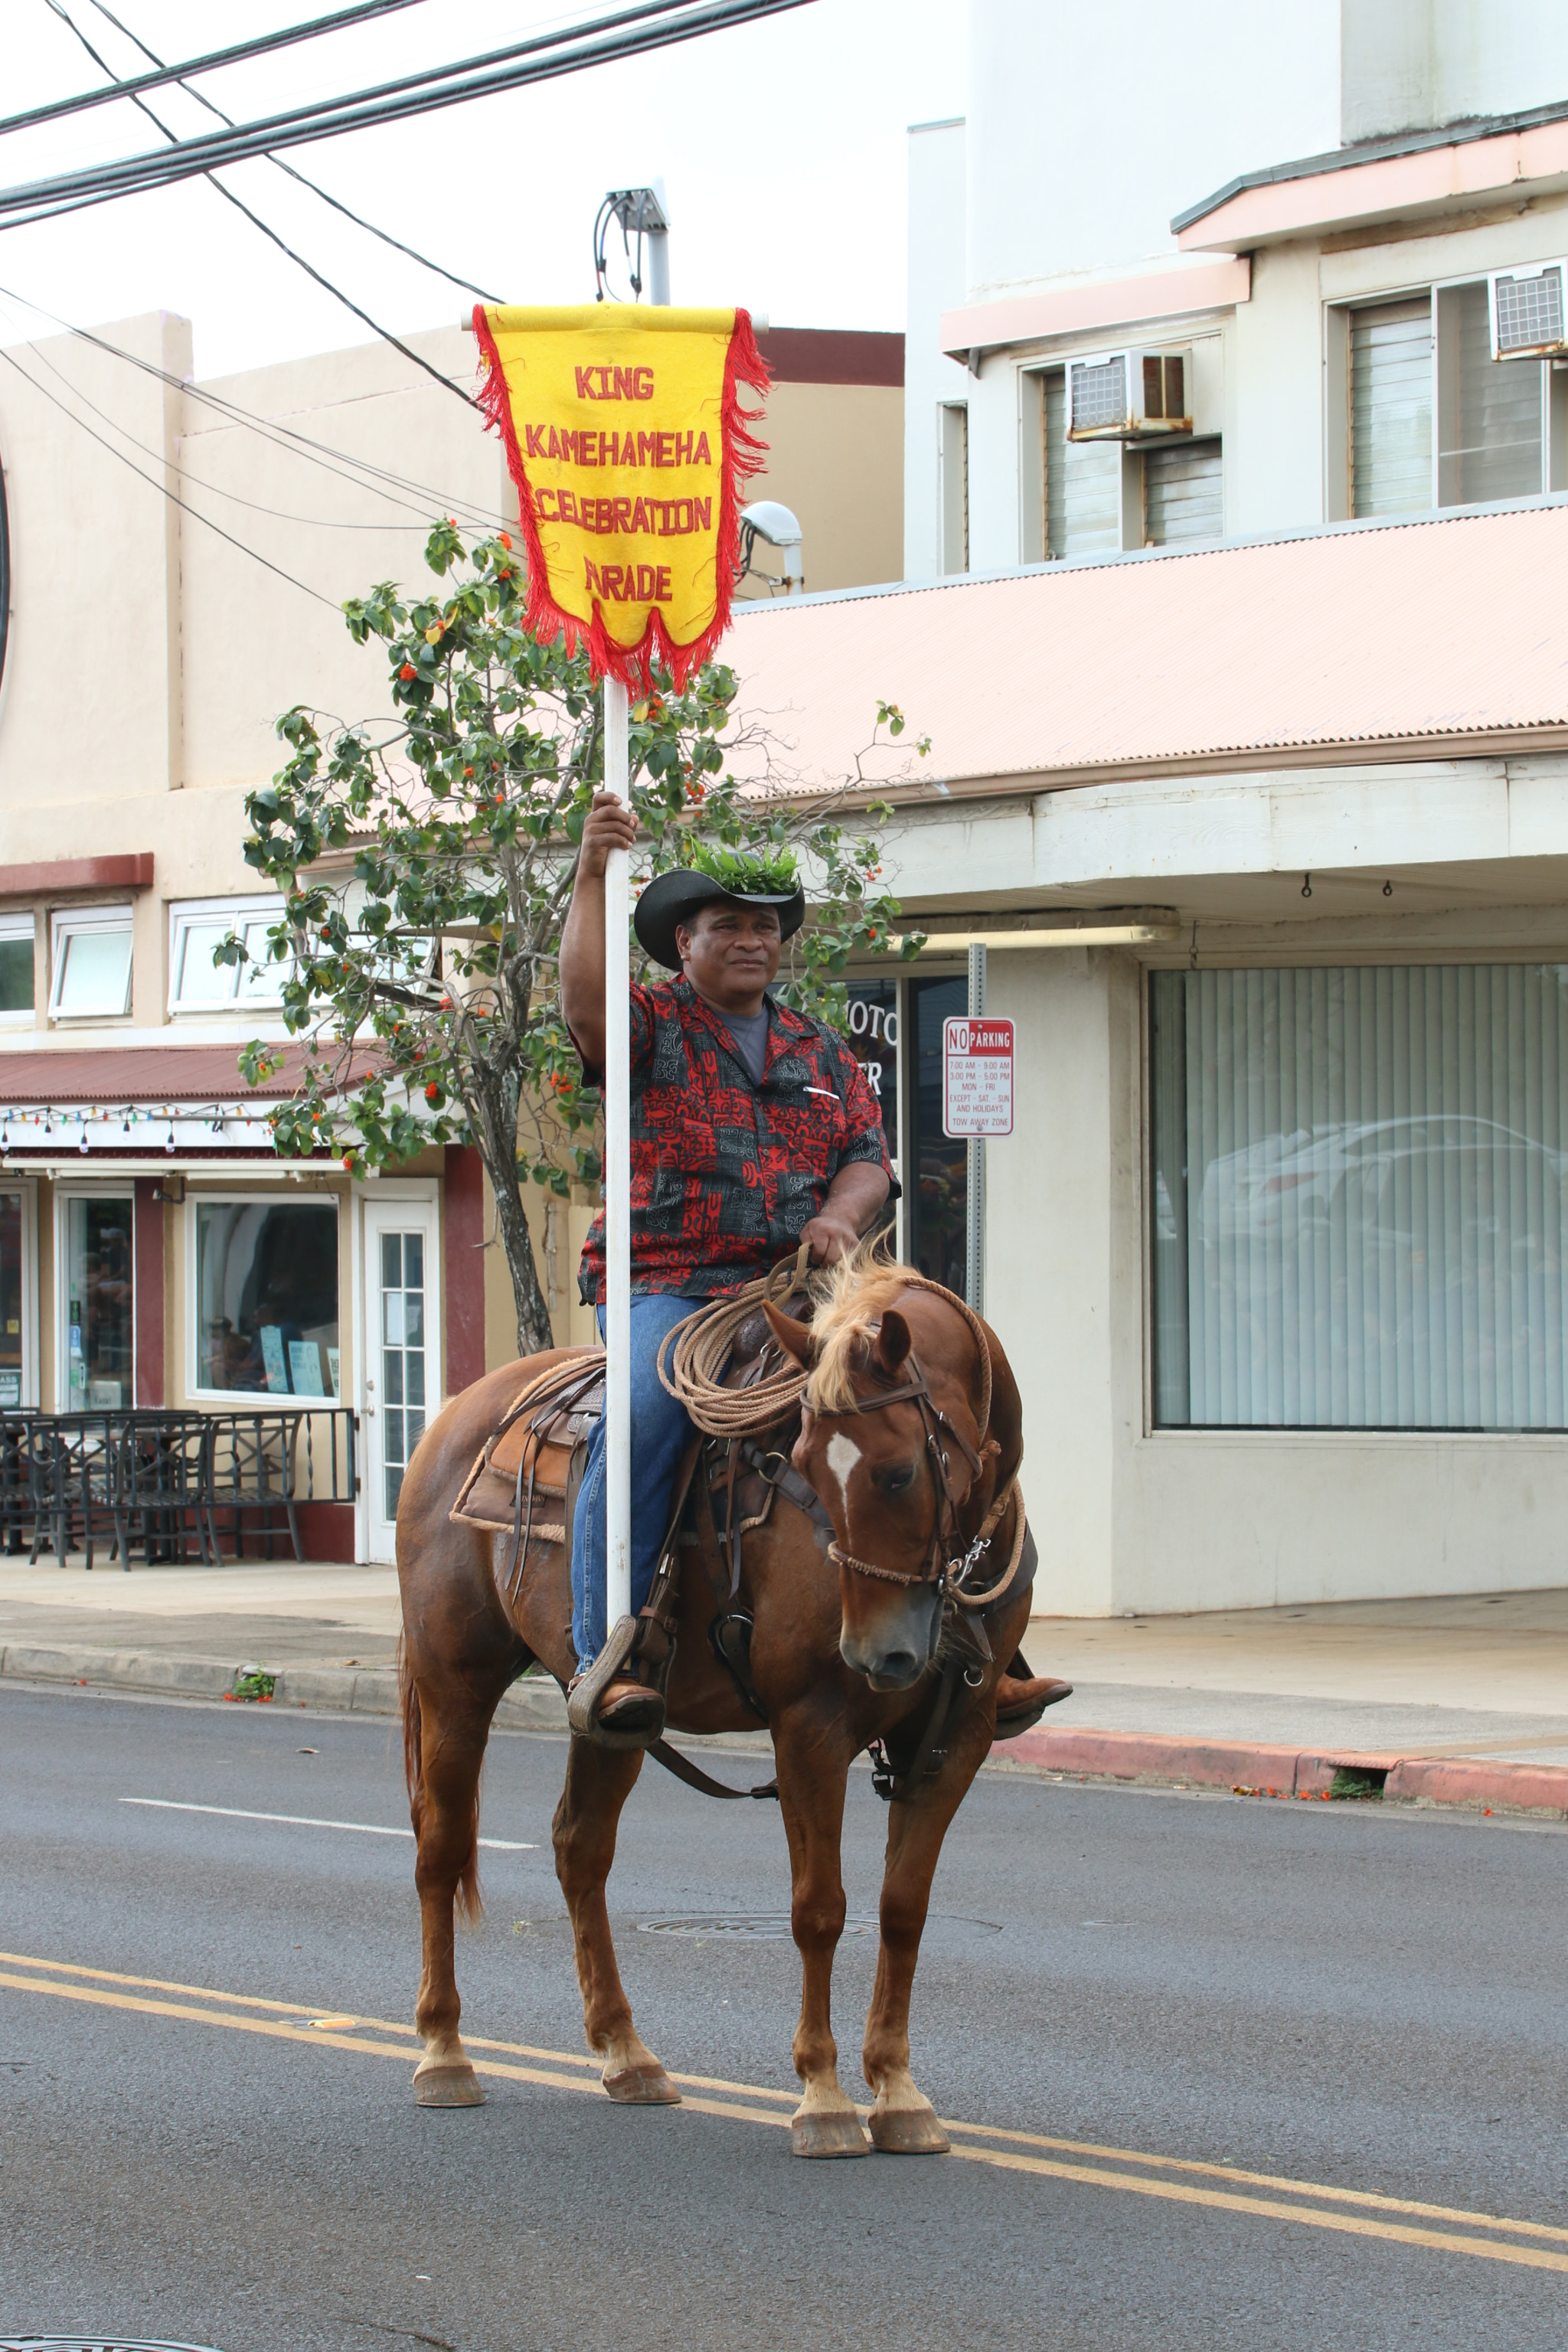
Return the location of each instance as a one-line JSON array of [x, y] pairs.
[[1474, 1689]]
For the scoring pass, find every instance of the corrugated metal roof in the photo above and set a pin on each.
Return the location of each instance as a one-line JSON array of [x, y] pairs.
[[1411, 635], [138, 1075]]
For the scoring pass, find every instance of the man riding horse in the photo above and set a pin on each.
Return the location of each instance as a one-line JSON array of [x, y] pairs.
[[753, 1129]]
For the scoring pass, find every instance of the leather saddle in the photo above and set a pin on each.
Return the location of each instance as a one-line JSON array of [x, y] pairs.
[[524, 1483]]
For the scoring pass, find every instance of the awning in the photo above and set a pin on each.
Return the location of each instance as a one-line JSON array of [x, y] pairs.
[[1350, 643]]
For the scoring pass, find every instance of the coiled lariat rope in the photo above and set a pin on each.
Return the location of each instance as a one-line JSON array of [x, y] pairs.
[[699, 1350]]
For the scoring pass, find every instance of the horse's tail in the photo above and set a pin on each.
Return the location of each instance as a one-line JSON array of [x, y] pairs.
[[469, 1901]]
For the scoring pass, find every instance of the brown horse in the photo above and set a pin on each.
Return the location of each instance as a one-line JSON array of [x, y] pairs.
[[911, 1437]]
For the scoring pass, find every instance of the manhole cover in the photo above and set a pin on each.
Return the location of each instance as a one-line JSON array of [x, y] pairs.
[[773, 1927], [761, 1927]]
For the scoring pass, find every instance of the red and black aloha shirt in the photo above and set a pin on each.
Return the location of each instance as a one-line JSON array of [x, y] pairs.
[[725, 1171]]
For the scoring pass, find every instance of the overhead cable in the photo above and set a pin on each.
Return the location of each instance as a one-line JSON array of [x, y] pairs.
[[399, 490], [44, 394], [315, 187], [255, 219], [164, 75], [629, 33]]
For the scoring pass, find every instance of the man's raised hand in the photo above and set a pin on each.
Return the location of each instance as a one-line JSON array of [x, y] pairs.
[[609, 825]]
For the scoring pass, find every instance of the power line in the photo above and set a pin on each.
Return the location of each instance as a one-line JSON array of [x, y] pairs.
[[196, 482], [263, 43], [255, 219], [316, 189], [629, 33], [403, 489], [44, 394]]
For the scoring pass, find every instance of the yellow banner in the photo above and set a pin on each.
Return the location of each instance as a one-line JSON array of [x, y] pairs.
[[626, 441]]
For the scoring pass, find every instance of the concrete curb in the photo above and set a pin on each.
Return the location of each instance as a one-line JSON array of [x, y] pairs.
[[534, 1705], [1473, 1784]]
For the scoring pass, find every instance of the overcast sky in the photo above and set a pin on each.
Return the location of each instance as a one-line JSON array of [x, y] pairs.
[[782, 147]]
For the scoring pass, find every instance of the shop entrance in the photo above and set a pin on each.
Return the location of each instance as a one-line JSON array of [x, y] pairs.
[[401, 1351]]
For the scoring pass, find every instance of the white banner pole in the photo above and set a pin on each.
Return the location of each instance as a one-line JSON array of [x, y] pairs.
[[617, 1178]]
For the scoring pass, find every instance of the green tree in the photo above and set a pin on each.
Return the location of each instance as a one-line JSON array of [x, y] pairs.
[[425, 865]]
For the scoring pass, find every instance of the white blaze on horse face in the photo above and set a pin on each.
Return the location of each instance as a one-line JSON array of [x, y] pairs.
[[842, 1455]]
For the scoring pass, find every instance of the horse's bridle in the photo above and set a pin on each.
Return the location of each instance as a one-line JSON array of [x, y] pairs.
[[949, 1562]]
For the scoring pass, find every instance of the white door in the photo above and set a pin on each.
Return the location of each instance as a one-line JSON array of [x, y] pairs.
[[401, 1351]]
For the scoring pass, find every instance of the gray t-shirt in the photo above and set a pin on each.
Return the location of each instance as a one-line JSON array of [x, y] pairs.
[[750, 1030]]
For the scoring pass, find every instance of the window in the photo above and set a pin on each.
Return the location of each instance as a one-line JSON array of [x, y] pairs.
[[1488, 411], [1360, 1197], [1181, 493], [16, 970], [1391, 408], [872, 1021], [937, 1200], [266, 1298], [17, 1297], [97, 1299], [1094, 498], [89, 949], [952, 471], [196, 930], [1486, 421]]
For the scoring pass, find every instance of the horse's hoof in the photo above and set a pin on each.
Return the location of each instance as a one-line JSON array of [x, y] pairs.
[[447, 2084], [642, 2087], [827, 2132], [907, 2131]]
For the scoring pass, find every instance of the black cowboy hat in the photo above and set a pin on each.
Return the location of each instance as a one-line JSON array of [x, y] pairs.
[[674, 897]]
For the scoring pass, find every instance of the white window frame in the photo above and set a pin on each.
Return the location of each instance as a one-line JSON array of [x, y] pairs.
[[1339, 489], [22, 927], [252, 1197], [184, 913], [65, 1193], [27, 1186], [67, 923]]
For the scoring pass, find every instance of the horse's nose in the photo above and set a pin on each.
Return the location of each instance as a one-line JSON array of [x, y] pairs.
[[886, 1669]]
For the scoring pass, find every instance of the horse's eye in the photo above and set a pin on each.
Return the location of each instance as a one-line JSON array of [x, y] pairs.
[[895, 1481]]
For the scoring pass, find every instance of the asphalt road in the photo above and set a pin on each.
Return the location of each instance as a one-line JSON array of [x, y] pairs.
[[1157, 1994]]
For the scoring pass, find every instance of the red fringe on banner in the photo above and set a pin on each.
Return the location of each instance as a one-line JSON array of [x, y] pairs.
[[742, 456]]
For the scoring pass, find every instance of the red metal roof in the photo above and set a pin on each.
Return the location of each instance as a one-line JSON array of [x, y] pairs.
[[138, 1075], [1392, 640]]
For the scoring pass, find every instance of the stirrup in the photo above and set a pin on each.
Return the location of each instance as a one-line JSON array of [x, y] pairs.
[[589, 1688]]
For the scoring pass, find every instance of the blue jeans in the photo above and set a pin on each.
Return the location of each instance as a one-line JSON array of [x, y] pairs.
[[661, 1434]]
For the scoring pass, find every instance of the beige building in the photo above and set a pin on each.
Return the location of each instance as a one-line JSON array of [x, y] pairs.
[[178, 551]]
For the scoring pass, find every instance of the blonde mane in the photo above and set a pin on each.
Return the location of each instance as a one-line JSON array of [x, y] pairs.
[[850, 1299]]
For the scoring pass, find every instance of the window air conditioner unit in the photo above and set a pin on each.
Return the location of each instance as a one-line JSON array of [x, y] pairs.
[[1133, 395], [1528, 320]]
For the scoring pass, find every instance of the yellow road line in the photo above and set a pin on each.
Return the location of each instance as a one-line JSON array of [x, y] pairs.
[[275, 2028]]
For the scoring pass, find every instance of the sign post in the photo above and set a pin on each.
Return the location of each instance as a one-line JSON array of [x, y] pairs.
[[976, 1102]]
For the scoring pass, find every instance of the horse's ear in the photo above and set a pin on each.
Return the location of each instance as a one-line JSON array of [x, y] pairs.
[[893, 1341], [794, 1339]]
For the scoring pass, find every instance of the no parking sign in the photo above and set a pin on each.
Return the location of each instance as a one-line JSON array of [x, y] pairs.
[[976, 1076]]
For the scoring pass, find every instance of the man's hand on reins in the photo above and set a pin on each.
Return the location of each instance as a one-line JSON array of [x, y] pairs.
[[854, 1197]]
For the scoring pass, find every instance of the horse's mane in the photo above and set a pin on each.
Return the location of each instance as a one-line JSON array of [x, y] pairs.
[[850, 1298]]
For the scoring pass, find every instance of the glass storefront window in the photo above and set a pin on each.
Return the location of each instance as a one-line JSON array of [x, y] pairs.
[[267, 1298], [11, 1244], [1358, 1202], [938, 1197], [100, 1327], [872, 1021]]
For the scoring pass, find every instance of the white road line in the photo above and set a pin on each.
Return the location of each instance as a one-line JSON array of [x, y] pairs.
[[308, 1822]]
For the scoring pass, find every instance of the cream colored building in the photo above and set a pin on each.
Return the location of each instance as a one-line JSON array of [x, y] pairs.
[[178, 551]]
